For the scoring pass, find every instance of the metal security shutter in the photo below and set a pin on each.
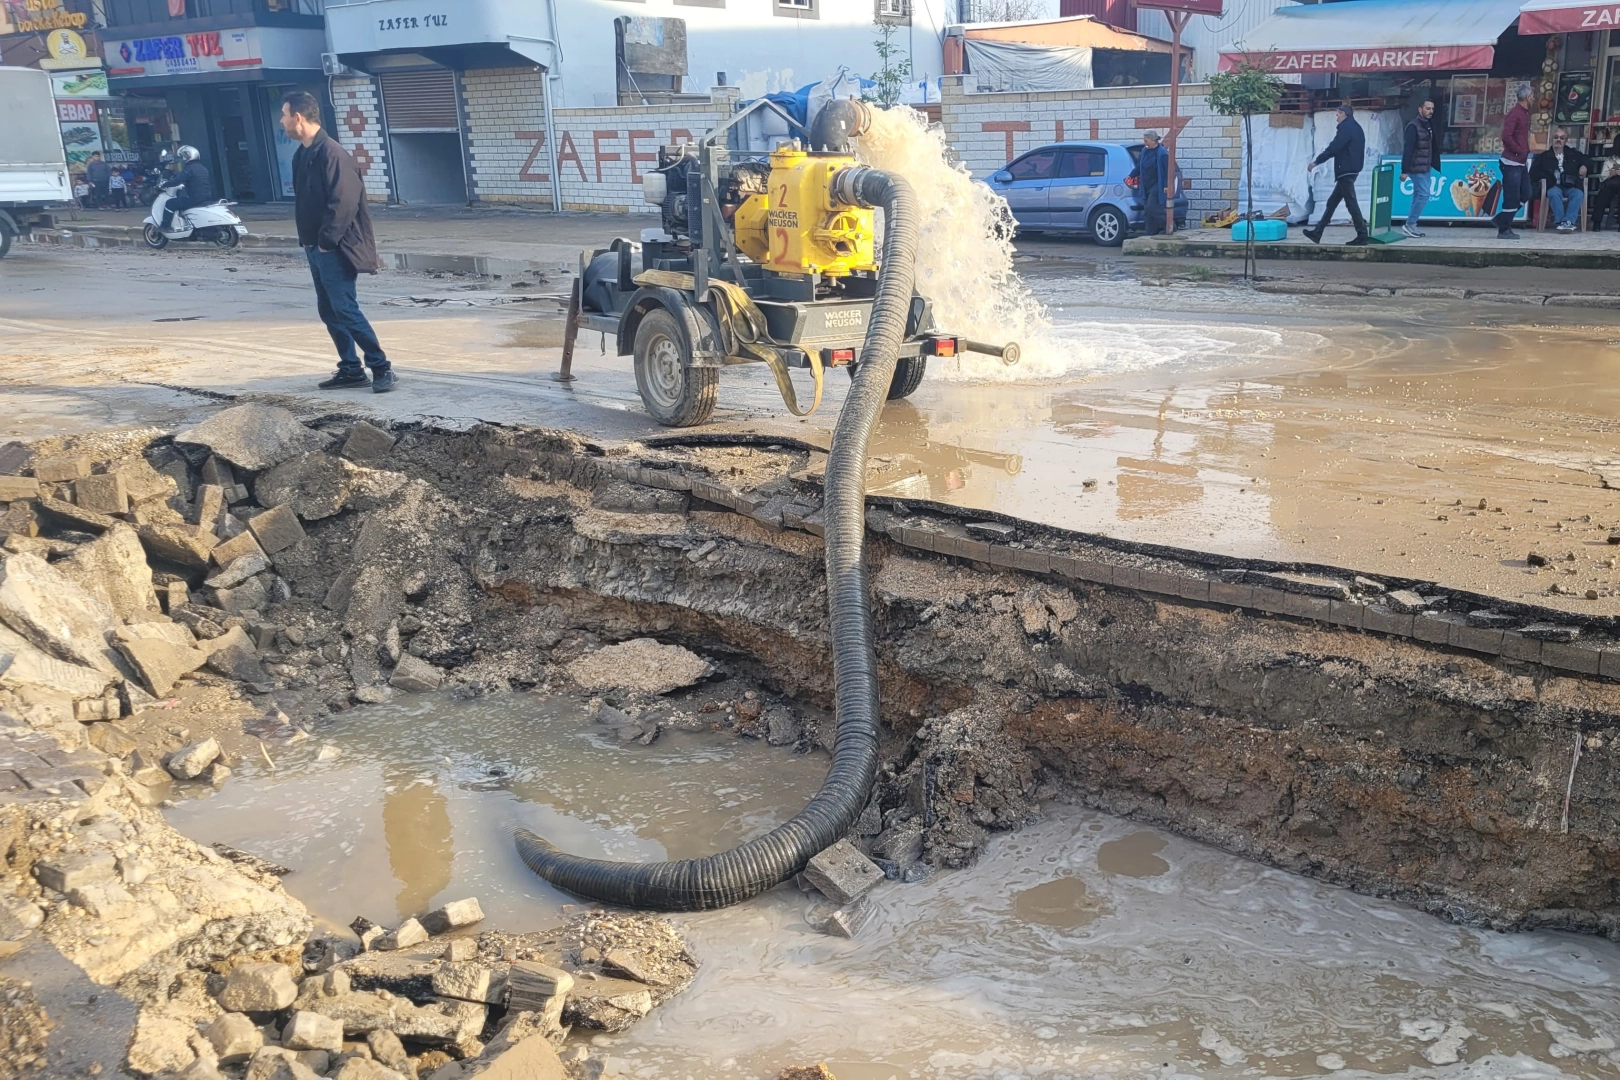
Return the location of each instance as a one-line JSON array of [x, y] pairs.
[[421, 100]]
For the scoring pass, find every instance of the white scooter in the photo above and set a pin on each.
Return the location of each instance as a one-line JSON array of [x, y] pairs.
[[213, 223]]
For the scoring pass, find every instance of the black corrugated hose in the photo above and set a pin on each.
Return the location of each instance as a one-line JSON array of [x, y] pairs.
[[733, 876]]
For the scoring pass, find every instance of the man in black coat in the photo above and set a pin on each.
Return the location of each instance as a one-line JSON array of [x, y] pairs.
[[334, 229], [1563, 168], [1348, 152]]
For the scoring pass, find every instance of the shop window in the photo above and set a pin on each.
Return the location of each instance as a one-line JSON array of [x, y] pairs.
[[650, 58]]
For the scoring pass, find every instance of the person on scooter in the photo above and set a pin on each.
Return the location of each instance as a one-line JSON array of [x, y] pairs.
[[198, 189]]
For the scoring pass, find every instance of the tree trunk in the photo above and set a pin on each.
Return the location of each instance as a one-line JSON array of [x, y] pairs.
[[1249, 265]]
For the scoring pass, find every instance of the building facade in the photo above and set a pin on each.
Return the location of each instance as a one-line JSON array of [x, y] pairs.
[[489, 100], [211, 73]]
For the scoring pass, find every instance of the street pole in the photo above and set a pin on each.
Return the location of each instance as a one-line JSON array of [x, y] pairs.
[[1178, 23]]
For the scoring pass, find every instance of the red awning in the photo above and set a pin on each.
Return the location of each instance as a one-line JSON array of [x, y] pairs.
[[1563, 17], [1377, 35]]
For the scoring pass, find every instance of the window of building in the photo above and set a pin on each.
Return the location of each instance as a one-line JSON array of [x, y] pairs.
[[894, 9], [798, 9]]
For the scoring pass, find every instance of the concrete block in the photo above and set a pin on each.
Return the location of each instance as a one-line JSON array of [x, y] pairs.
[[64, 873], [1609, 664], [1435, 630], [1575, 658], [1157, 581], [1079, 569], [15, 488], [1346, 613], [1129, 577], [276, 530], [1384, 621], [1226, 592], [1301, 606], [1030, 561], [61, 468], [242, 545], [105, 494], [1193, 588], [531, 985], [453, 916], [1475, 638], [842, 873]]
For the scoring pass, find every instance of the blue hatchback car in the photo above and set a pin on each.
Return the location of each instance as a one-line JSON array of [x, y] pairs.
[[1079, 188]]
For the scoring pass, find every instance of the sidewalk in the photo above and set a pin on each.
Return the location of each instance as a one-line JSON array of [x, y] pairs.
[[532, 239], [1458, 245]]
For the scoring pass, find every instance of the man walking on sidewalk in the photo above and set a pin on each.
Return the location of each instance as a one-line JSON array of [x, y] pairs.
[[1418, 159], [1348, 152], [1515, 164], [334, 229]]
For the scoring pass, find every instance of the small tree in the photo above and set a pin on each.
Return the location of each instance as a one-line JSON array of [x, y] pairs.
[[1244, 91], [894, 70]]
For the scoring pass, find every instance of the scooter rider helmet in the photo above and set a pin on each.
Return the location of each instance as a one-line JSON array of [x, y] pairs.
[[186, 155]]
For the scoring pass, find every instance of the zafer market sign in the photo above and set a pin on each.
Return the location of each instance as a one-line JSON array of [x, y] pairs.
[[1425, 58], [184, 54], [1568, 18]]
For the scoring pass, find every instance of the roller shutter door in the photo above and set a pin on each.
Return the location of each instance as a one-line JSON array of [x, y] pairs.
[[421, 100]]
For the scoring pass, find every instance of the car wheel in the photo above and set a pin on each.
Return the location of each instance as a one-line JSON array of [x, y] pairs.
[[674, 392], [154, 238], [1108, 226]]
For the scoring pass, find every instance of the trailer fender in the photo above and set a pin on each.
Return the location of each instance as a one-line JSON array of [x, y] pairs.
[[702, 330]]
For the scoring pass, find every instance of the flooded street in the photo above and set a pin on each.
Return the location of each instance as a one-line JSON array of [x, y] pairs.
[[1081, 945], [1354, 431]]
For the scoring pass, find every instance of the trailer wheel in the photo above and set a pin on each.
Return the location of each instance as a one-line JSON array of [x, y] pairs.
[[674, 392], [5, 239], [908, 375]]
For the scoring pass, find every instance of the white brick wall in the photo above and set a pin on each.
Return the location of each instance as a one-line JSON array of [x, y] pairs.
[[359, 130], [603, 152], [980, 126]]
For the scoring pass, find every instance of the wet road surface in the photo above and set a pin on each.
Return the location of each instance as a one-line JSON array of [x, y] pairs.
[[1352, 431]]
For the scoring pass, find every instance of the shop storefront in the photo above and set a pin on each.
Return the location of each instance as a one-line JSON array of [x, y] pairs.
[[219, 90], [1386, 57], [438, 76]]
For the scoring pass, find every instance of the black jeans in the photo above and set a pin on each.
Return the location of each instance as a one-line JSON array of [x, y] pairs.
[[1344, 190], [175, 207], [339, 307], [1153, 211], [1515, 193], [1607, 198]]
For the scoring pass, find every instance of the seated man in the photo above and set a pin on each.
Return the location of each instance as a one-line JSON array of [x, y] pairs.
[[1564, 169], [1608, 192]]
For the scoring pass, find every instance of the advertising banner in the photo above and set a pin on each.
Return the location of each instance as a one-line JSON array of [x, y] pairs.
[[1365, 61], [1466, 187], [80, 84], [1574, 104], [184, 54], [1560, 17]]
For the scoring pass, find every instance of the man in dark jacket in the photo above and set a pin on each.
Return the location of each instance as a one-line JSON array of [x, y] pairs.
[[1515, 163], [1348, 152], [1564, 170], [98, 174], [1419, 157], [334, 229]]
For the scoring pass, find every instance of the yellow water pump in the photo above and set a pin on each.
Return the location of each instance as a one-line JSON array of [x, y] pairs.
[[798, 226]]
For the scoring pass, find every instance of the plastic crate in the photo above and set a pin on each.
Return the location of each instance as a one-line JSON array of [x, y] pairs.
[[1271, 229]]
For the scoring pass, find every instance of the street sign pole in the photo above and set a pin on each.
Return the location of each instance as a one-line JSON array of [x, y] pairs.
[[1178, 23]]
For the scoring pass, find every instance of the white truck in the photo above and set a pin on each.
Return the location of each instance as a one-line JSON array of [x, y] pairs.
[[33, 166]]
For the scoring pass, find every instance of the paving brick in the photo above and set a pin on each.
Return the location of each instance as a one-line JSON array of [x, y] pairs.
[[1430, 629], [1034, 562], [105, 494], [1346, 613], [1475, 638], [1226, 592], [276, 530], [1384, 621], [1609, 664], [1576, 658]]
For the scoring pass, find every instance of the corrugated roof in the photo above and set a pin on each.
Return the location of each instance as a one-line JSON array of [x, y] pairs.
[[1080, 31]]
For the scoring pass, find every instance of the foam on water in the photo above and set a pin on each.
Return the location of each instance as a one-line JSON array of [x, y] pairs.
[[965, 260]]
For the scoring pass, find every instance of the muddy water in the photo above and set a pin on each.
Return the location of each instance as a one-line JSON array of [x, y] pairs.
[[1080, 946]]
